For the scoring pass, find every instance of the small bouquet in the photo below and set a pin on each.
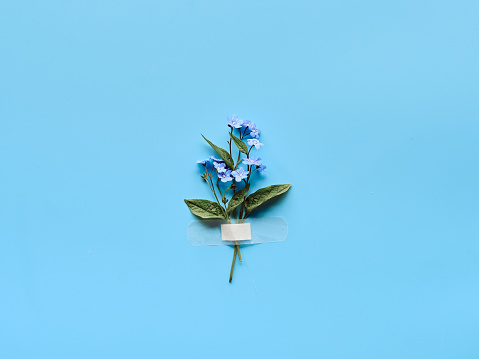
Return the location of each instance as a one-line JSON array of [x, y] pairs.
[[230, 181]]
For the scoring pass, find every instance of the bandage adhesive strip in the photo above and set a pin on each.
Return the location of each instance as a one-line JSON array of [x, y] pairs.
[[261, 230]]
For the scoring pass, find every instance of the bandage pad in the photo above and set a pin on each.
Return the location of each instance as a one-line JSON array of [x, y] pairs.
[[236, 232]]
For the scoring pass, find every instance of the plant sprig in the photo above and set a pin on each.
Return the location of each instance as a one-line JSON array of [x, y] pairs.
[[227, 170]]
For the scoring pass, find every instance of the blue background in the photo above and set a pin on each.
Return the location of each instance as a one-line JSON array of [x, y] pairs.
[[369, 108]]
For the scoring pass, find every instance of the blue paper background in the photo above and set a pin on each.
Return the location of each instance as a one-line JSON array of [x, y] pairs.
[[369, 108]]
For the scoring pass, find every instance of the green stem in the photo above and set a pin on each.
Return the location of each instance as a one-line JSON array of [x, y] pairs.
[[239, 253], [241, 214], [234, 191], [233, 264], [222, 196], [237, 161], [218, 186], [212, 187], [226, 190], [229, 142]]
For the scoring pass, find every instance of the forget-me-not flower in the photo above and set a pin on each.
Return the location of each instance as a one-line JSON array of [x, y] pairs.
[[254, 142], [261, 168], [225, 176], [220, 166], [247, 123], [252, 161], [239, 174], [235, 122], [255, 131], [203, 162]]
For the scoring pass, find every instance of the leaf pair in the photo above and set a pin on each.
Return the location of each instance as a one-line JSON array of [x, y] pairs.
[[208, 209]]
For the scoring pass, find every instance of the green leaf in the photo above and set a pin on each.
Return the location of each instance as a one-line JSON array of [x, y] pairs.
[[205, 209], [240, 144], [223, 154], [237, 199], [262, 195]]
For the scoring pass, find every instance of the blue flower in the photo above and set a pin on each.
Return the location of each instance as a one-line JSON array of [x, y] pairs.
[[235, 122], [239, 174], [216, 159], [220, 167], [247, 123], [225, 176], [254, 142], [252, 161], [203, 162], [261, 168], [254, 131]]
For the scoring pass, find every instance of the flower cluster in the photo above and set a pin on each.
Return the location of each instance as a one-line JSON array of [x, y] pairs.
[[237, 174], [235, 122]]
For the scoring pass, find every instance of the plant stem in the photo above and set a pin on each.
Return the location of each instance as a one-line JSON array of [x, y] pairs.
[[244, 133], [222, 196], [234, 191], [242, 211], [237, 161], [229, 142], [212, 187], [233, 265], [239, 253], [219, 189]]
